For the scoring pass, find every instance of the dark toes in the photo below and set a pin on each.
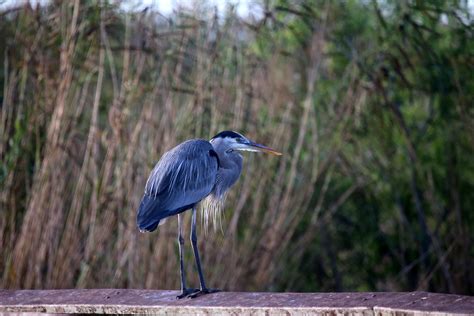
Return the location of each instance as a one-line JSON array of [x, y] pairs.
[[203, 292], [209, 291], [186, 293]]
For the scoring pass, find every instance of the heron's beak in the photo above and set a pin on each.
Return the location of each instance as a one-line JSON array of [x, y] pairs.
[[251, 146]]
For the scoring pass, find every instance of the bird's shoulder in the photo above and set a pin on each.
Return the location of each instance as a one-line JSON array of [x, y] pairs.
[[191, 149], [192, 159]]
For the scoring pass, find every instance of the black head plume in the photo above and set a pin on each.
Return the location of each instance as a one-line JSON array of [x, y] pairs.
[[230, 134]]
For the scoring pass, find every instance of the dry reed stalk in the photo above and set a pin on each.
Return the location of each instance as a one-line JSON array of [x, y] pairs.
[[46, 198]]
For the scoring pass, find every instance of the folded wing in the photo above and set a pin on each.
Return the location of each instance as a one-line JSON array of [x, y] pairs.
[[183, 177]]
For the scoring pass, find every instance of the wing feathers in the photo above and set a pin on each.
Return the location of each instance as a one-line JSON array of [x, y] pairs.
[[183, 176]]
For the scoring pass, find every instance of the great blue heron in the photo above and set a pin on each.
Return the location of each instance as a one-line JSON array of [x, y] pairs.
[[186, 175]]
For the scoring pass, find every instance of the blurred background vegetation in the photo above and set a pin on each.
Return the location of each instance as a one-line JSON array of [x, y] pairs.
[[371, 102]]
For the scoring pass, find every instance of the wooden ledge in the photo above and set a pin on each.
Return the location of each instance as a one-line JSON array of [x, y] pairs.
[[129, 301]]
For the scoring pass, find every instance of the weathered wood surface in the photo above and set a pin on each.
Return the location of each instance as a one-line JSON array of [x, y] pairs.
[[128, 301]]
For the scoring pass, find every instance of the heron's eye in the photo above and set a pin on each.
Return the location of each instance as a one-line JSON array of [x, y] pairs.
[[228, 151]]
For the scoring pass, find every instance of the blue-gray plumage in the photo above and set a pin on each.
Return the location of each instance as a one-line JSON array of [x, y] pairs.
[[186, 175], [183, 177]]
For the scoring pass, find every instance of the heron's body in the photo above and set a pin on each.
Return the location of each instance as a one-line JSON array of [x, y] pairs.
[[185, 175], [172, 187]]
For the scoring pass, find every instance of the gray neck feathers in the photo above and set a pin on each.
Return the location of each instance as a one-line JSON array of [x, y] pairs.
[[230, 166]]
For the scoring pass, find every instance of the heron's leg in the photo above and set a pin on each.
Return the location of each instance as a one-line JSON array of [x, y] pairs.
[[184, 291], [181, 246], [204, 289], [195, 249]]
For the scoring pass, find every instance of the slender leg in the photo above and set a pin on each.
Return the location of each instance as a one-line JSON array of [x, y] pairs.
[[184, 291], [196, 251], [181, 246], [204, 289]]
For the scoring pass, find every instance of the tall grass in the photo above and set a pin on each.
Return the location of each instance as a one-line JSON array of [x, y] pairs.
[[97, 98], [93, 96]]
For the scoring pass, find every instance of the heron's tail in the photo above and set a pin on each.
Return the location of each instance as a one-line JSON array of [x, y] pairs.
[[148, 216]]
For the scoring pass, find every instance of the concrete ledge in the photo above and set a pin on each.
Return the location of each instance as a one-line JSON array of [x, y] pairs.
[[129, 301]]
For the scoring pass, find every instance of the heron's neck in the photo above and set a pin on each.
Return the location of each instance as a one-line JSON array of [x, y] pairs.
[[230, 166]]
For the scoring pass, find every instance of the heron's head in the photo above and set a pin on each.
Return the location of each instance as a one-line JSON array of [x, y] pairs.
[[235, 141]]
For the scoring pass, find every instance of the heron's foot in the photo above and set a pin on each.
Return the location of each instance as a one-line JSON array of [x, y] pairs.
[[203, 292], [186, 293]]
